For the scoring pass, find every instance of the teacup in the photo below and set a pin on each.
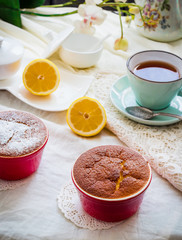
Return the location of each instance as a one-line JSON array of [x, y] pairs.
[[155, 77]]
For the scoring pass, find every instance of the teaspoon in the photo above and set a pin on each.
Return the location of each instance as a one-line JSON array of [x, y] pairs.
[[93, 48], [145, 113]]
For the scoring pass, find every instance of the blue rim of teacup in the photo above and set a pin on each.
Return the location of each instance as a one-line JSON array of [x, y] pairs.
[[127, 64]]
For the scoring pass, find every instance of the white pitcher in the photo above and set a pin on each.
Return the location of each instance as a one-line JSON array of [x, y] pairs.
[[162, 19]]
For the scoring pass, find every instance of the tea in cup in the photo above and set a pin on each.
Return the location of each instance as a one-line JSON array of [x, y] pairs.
[[155, 77]]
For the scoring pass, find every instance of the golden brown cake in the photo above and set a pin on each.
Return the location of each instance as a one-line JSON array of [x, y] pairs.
[[111, 171], [21, 133]]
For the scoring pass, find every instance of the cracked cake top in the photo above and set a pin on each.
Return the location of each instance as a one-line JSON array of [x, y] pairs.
[[21, 133], [111, 171]]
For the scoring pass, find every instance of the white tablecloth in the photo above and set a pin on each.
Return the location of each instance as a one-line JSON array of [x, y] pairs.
[[30, 212]]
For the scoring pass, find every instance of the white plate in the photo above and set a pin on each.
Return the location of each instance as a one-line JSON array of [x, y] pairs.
[[72, 86], [122, 96]]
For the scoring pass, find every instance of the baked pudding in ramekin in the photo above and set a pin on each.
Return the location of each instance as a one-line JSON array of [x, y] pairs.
[[111, 181]]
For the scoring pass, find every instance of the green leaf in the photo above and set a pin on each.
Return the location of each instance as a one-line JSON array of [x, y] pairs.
[[31, 3], [166, 5], [10, 12]]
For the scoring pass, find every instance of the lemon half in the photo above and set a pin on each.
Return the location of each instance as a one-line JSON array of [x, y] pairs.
[[86, 116], [41, 77]]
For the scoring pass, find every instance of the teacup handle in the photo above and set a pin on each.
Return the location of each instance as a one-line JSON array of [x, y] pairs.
[[180, 93]]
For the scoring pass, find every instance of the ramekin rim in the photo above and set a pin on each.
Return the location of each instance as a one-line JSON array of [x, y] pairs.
[[116, 199], [36, 150], [28, 154]]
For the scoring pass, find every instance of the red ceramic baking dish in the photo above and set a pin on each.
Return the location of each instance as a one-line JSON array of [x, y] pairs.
[[23, 137], [104, 208]]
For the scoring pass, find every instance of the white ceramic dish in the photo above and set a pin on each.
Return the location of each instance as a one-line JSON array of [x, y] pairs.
[[78, 50], [11, 53], [72, 86]]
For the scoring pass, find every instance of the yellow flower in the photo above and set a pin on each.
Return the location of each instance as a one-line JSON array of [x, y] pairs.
[[121, 44], [134, 10]]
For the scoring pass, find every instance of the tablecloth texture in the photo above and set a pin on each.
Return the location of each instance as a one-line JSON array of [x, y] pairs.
[[30, 211]]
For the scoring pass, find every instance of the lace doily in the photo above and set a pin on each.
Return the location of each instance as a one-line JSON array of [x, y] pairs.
[[162, 146], [69, 204], [9, 185]]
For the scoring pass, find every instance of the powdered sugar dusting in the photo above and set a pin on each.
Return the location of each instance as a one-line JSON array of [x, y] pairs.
[[5, 133], [20, 133]]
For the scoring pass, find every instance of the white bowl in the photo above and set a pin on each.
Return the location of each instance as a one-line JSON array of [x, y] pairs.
[[11, 52], [80, 50]]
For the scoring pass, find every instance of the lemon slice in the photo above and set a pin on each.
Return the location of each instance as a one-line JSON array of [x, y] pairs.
[[41, 77], [86, 116]]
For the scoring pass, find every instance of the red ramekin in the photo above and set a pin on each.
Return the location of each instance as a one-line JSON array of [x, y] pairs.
[[111, 210], [18, 167], [15, 168]]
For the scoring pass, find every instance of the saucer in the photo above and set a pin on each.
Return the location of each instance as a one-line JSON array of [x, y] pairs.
[[122, 96]]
